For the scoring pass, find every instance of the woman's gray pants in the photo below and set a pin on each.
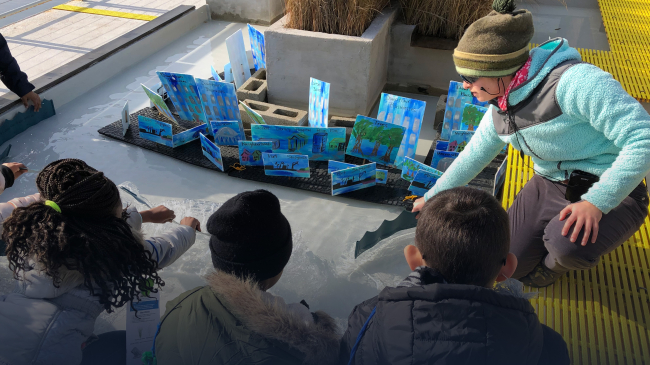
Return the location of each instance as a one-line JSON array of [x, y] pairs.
[[536, 229]]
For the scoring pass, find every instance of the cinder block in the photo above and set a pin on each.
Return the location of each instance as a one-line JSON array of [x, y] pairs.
[[341, 122], [273, 114], [440, 113], [254, 88]]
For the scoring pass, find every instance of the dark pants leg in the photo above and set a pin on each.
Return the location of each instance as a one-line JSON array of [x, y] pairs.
[[109, 349], [536, 228]]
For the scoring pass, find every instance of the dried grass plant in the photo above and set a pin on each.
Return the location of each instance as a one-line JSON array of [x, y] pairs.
[[444, 18], [345, 17]]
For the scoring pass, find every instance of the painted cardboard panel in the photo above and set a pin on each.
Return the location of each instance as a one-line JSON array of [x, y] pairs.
[[258, 47], [211, 151], [155, 131], [219, 100], [255, 116], [375, 140], [283, 164], [159, 103], [472, 116], [215, 74], [227, 73], [241, 71], [456, 99], [182, 91], [499, 177], [382, 176], [320, 144], [333, 166], [405, 112], [423, 181], [459, 140], [227, 133], [442, 145], [442, 160], [189, 135], [125, 118], [354, 178], [250, 152], [410, 167], [319, 103]]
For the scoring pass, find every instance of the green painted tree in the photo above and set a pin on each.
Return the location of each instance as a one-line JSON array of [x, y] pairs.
[[375, 135], [472, 116], [391, 138], [359, 133]]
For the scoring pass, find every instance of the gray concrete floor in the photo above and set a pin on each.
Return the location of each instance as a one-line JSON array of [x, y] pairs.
[[581, 26], [52, 38]]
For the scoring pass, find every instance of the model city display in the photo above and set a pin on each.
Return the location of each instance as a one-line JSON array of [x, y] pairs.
[[209, 111]]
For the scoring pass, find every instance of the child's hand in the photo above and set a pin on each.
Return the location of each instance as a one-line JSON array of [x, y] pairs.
[[159, 214], [191, 222], [16, 168]]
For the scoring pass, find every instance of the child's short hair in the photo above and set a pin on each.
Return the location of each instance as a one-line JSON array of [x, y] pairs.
[[464, 233]]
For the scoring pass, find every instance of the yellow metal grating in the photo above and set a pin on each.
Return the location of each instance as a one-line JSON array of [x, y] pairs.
[[602, 313], [627, 23]]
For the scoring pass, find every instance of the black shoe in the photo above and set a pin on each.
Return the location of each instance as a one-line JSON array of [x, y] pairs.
[[540, 277]]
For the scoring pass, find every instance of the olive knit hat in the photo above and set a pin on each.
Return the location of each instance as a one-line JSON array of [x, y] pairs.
[[497, 44]]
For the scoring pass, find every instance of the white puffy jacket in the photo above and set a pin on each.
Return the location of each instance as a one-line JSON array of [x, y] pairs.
[[42, 324]]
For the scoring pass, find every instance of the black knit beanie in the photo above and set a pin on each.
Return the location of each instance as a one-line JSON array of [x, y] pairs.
[[250, 236]]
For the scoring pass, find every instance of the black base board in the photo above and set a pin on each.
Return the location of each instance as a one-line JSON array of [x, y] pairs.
[[391, 193]]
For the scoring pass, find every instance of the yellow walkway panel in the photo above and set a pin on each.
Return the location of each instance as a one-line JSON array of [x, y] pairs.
[[118, 14], [602, 313]]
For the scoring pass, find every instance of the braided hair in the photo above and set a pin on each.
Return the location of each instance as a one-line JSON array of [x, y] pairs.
[[87, 236]]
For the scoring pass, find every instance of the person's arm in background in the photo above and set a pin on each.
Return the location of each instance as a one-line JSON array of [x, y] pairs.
[[484, 146], [14, 79], [167, 247]]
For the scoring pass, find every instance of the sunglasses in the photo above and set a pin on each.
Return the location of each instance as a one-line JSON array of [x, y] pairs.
[[468, 79]]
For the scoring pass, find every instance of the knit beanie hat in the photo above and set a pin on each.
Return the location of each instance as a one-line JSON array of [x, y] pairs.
[[250, 236], [497, 44]]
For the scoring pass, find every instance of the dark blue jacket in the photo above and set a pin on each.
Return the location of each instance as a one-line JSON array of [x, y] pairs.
[[10, 74], [432, 322]]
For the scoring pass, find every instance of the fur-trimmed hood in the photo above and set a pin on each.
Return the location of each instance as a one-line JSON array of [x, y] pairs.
[[272, 319]]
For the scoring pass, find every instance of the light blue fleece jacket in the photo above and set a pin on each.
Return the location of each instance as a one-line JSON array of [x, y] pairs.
[[603, 131]]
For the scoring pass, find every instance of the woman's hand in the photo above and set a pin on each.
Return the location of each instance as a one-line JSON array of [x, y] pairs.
[[191, 222], [159, 214], [582, 214], [417, 206], [16, 168]]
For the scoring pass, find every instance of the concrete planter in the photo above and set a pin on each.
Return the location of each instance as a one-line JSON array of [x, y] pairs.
[[262, 12], [418, 64], [356, 67]]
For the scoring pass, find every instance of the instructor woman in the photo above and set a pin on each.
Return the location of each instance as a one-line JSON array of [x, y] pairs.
[[584, 133]]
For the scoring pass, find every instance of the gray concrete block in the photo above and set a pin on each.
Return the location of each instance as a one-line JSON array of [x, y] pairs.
[[264, 12], [273, 114], [440, 113], [254, 88], [356, 67], [341, 122]]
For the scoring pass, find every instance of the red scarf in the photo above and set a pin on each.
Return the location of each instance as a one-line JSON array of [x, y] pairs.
[[520, 77]]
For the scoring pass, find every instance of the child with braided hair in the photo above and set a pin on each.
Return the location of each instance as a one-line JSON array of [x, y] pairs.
[[76, 253]]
